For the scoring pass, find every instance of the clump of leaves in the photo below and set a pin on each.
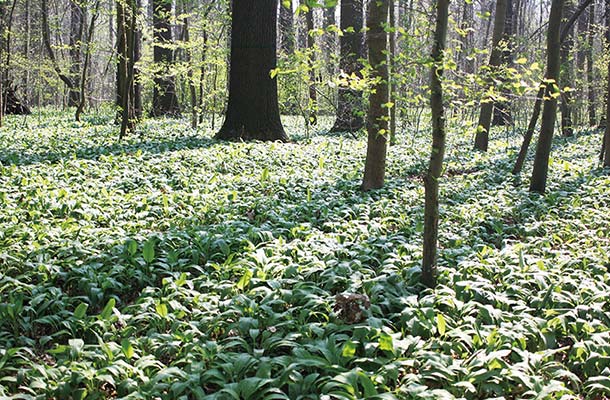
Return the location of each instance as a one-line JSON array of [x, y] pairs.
[[175, 266]]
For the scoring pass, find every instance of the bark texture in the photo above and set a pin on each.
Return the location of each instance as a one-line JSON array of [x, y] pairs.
[[253, 111], [549, 111], [165, 101], [350, 108], [435, 168], [377, 118], [495, 59]]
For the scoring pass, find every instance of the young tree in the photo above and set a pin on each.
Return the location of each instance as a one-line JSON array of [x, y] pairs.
[[126, 28], [590, 76], [77, 27], [349, 108], [502, 115], [549, 111], [286, 27], [431, 215], [165, 101], [495, 60], [67, 79], [311, 47], [253, 110], [87, 49], [377, 118], [566, 75]]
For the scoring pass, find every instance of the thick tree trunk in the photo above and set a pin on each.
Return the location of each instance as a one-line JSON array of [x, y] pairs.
[[549, 112], [435, 168], [286, 27], [165, 101], [495, 59], [377, 118], [350, 108], [253, 111]]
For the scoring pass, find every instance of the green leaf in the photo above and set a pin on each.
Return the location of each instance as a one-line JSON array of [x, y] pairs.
[[349, 349], [386, 342], [244, 281], [127, 348], [107, 311], [161, 309], [81, 310], [440, 324], [148, 251]]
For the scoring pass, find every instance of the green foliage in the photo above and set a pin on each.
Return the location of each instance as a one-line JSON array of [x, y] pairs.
[[179, 267]]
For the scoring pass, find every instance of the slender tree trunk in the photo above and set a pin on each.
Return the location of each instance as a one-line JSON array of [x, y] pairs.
[[77, 26], [350, 108], [495, 59], [549, 111], [330, 40], [127, 11], [26, 50], [467, 60], [286, 27], [311, 47], [435, 168], [527, 138], [590, 75], [606, 140], [566, 76], [83, 79], [191, 79], [46, 36], [165, 101], [377, 119], [253, 110], [392, 68], [501, 112]]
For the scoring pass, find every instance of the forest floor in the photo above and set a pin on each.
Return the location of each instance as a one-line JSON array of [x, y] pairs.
[[176, 267]]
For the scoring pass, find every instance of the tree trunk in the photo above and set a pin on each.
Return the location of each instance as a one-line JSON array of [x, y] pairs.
[[126, 26], [83, 79], [566, 75], [392, 68], [495, 59], [191, 78], [311, 48], [549, 112], [77, 25], [590, 75], [502, 115], [527, 138], [435, 168], [286, 27], [165, 101], [377, 118], [350, 108], [466, 58], [606, 140], [253, 111]]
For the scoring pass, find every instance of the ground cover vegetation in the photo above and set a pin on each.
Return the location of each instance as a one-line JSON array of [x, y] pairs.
[[189, 207], [182, 267]]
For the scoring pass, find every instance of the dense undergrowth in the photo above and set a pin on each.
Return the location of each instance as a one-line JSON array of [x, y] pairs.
[[178, 267]]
